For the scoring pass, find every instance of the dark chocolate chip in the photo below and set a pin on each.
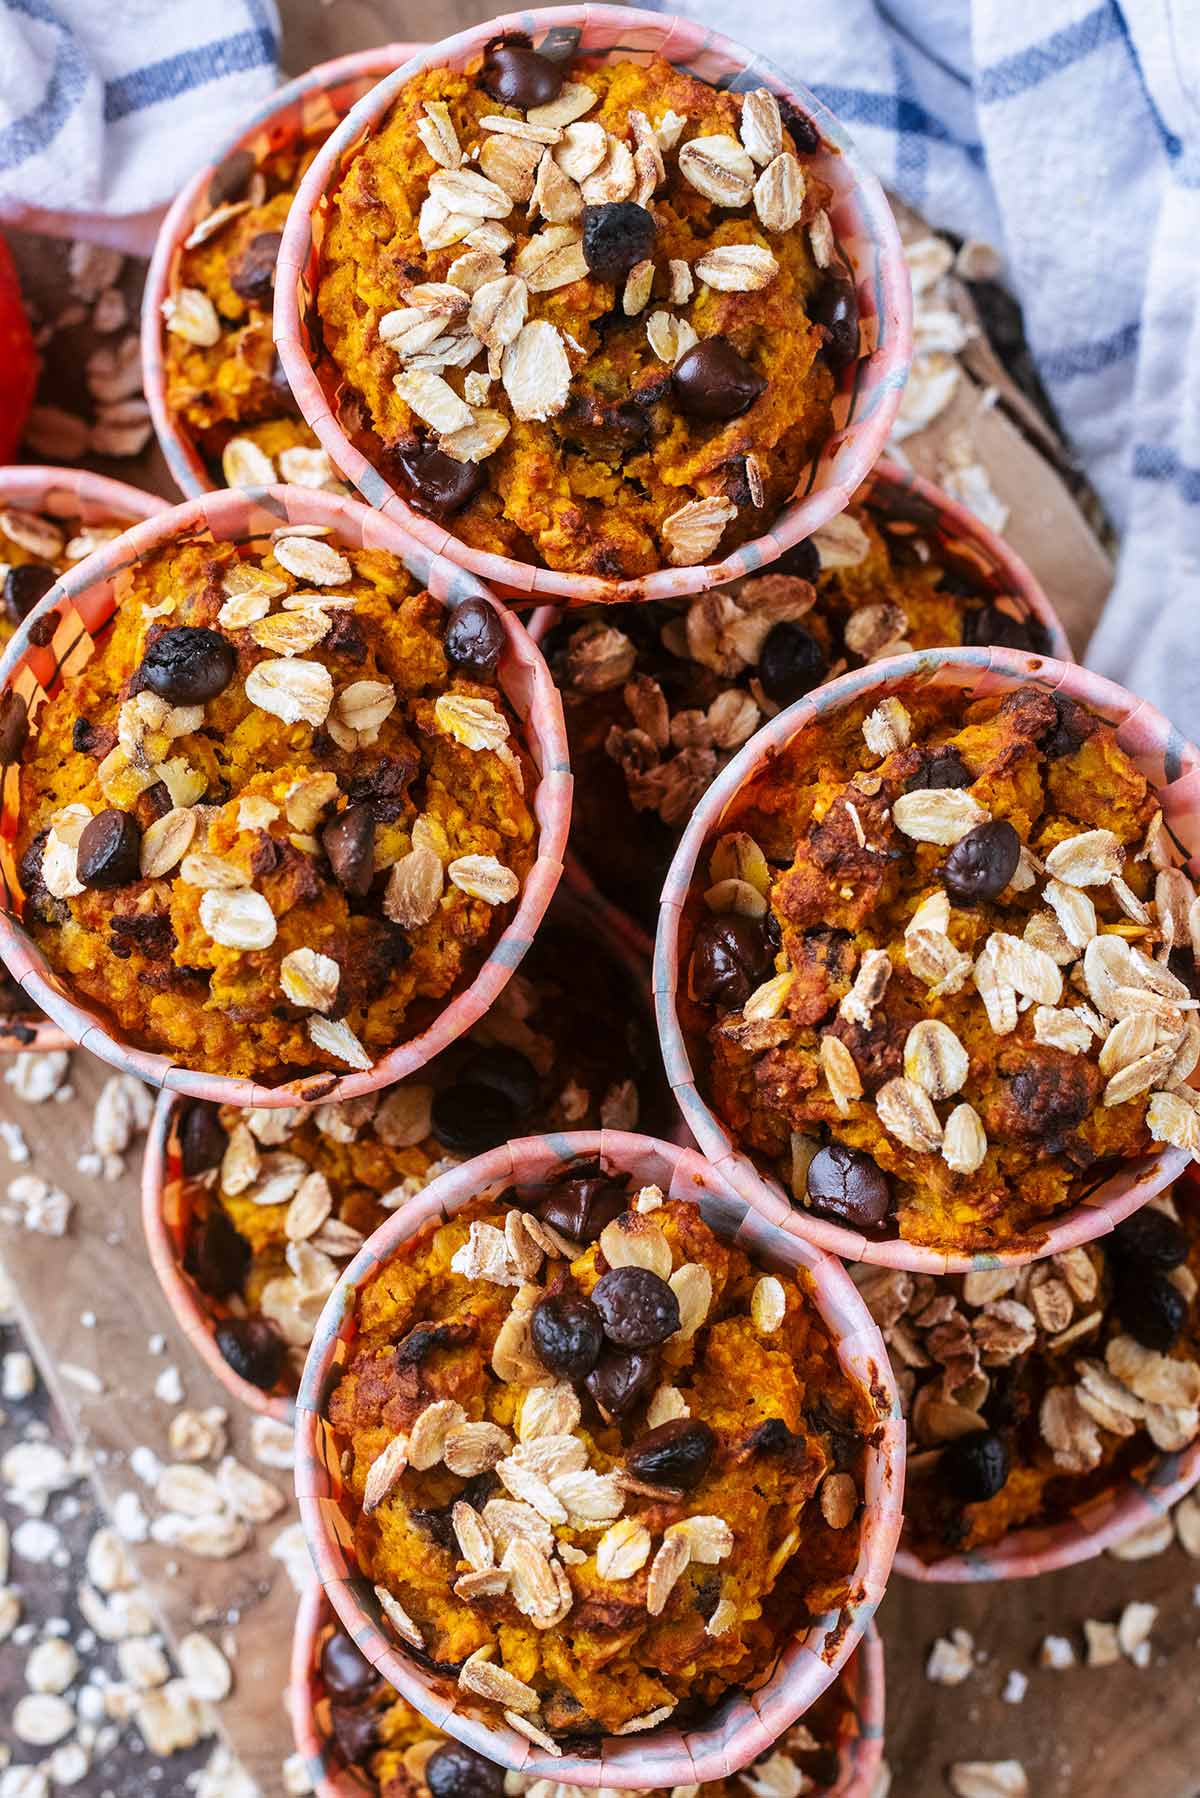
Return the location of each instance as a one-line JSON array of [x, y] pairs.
[[990, 624], [850, 1188], [567, 1334], [216, 1255], [108, 850], [1182, 963], [582, 1203], [791, 662], [940, 768], [619, 1381], [836, 308], [345, 1669], [1151, 1307], [730, 956], [202, 1138], [349, 842], [974, 1468], [281, 386], [474, 639], [252, 276], [456, 1771], [231, 177], [714, 381], [678, 1453], [508, 1071], [41, 631], [435, 482], [615, 237], [799, 127], [516, 75], [188, 665], [1073, 728], [355, 1731], [24, 586], [981, 864], [803, 560], [14, 727], [253, 1350], [467, 1119], [637, 1308]]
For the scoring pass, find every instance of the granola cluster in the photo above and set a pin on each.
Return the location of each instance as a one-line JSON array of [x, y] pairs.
[[279, 810], [941, 967], [597, 1463]]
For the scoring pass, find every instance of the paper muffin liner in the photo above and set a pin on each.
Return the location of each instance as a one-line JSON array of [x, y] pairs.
[[859, 1753], [869, 391], [743, 1726], [314, 102], [83, 601], [65, 493], [1156, 747]]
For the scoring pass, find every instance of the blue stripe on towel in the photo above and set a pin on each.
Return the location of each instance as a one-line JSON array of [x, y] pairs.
[[1090, 358], [175, 75], [1027, 68], [36, 129]]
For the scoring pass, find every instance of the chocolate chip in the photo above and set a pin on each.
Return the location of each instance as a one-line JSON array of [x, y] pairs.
[[974, 1468], [1151, 1239], [108, 850], [435, 482], [582, 1203], [791, 662], [188, 665], [799, 127], [619, 1381], [349, 842], [216, 1256], [678, 1453], [231, 177], [253, 1350], [456, 1771], [252, 276], [24, 586], [729, 957], [516, 75], [849, 1188], [508, 1071], [836, 308], [567, 1334], [474, 639], [14, 727], [982, 863], [637, 1308], [41, 631], [281, 386], [345, 1669], [803, 560], [1151, 1307], [617, 236], [1072, 730], [940, 768], [990, 624], [202, 1138], [467, 1118], [714, 381], [355, 1732]]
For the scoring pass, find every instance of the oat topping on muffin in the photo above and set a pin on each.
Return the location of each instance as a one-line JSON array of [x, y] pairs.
[[594, 1469], [590, 318], [271, 825], [940, 966]]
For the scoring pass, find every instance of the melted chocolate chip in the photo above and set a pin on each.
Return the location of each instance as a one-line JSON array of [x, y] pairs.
[[516, 75], [253, 1350], [435, 482], [474, 639], [791, 662], [108, 850], [836, 308], [1150, 1238], [24, 586], [678, 1453], [620, 1381], [355, 1732], [14, 727], [616, 237], [730, 956], [567, 1334], [714, 381], [231, 177], [981, 864], [281, 387], [188, 665], [1071, 732], [349, 842], [974, 1468], [803, 560], [940, 768], [799, 127], [508, 1072], [637, 1308], [991, 624], [41, 630], [582, 1203], [345, 1669], [202, 1138], [216, 1256], [1151, 1307], [456, 1771], [849, 1188], [252, 276]]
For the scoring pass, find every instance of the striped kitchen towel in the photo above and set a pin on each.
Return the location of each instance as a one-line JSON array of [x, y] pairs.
[[1067, 134], [107, 106]]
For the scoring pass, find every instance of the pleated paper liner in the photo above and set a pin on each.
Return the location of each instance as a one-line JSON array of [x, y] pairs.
[[83, 602], [860, 1749], [308, 107], [1170, 763], [869, 390], [64, 493], [745, 1724]]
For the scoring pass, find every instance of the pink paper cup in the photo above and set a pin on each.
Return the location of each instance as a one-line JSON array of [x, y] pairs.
[[80, 606], [62, 493], [859, 1753], [743, 1726], [313, 103], [1168, 760], [869, 392]]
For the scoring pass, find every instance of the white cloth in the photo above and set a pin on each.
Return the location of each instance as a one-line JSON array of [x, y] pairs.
[[1066, 133], [108, 106]]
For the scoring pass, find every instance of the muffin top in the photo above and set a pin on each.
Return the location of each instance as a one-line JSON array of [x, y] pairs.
[[1031, 1390], [588, 316], [223, 378], [599, 1466], [276, 819], [939, 966], [658, 697]]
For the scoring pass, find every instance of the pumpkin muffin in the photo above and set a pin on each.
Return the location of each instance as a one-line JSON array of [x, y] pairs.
[[277, 819], [397, 1754], [223, 378], [1030, 1391], [659, 697], [588, 317], [598, 1468], [939, 969], [263, 1265]]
